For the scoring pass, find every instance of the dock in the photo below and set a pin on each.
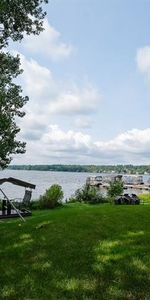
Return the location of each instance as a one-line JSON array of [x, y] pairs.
[[130, 182], [139, 187]]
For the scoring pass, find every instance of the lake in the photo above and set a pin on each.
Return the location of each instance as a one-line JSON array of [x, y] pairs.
[[70, 182]]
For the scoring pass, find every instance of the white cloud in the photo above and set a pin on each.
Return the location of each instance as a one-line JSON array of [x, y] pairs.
[[69, 146], [143, 60], [37, 81], [58, 140], [134, 141], [49, 98], [76, 101], [83, 122], [133, 145], [48, 43], [45, 141]]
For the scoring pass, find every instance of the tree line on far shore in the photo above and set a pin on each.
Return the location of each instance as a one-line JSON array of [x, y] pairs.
[[119, 169]]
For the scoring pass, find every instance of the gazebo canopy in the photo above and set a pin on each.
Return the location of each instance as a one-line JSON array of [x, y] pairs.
[[18, 182]]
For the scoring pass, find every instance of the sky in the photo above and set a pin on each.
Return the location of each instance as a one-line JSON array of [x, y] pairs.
[[88, 79]]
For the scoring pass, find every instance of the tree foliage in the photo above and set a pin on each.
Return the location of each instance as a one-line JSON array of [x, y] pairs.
[[17, 17], [117, 169], [11, 102]]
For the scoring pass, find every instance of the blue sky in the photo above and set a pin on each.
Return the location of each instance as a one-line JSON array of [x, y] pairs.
[[88, 79]]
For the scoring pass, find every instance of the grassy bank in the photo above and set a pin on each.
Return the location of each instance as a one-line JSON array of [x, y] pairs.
[[77, 252]]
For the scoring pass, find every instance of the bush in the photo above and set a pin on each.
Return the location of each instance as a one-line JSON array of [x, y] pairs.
[[52, 197], [115, 189], [88, 194], [72, 199]]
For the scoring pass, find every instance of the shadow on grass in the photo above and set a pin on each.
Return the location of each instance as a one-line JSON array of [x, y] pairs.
[[70, 260], [119, 269], [123, 265]]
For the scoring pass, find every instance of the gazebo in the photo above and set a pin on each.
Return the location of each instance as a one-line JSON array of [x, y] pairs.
[[8, 208]]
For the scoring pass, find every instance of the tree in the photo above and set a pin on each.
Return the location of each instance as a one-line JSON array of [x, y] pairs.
[[17, 17], [11, 103]]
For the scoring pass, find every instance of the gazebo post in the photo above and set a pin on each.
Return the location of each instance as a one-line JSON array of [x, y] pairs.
[[10, 203], [3, 207]]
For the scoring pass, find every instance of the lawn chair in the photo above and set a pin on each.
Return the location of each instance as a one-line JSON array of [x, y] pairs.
[[27, 197], [24, 203]]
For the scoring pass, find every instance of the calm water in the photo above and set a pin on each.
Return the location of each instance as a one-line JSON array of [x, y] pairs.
[[68, 180]]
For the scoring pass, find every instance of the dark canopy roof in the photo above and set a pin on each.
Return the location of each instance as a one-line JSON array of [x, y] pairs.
[[18, 182]]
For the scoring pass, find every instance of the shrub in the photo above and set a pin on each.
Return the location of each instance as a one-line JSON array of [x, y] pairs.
[[88, 194], [115, 189], [52, 197], [72, 199]]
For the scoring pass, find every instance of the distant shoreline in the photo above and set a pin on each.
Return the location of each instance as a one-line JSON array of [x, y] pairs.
[[119, 169]]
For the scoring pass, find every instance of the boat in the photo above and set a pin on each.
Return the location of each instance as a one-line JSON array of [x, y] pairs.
[[132, 179], [94, 180]]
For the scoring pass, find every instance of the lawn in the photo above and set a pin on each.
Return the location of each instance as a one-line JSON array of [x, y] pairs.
[[145, 198], [77, 252]]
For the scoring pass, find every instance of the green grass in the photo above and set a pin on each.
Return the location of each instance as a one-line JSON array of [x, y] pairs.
[[145, 198], [77, 252]]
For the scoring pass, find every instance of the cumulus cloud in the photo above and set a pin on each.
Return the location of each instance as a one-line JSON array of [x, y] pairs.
[[47, 142], [143, 60], [58, 140], [76, 100], [37, 81], [59, 97], [48, 43], [133, 141], [132, 146], [44, 141], [51, 98]]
